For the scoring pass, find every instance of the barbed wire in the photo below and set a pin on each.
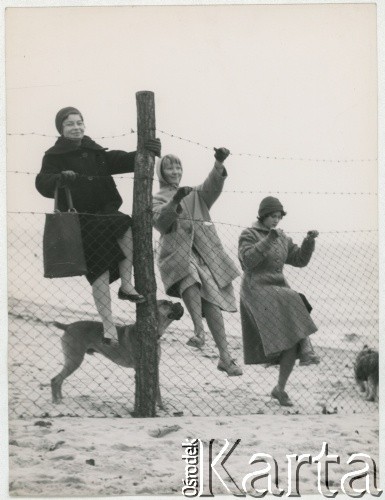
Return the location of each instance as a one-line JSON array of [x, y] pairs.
[[249, 191], [31, 133], [219, 223], [272, 157], [196, 143], [15, 134]]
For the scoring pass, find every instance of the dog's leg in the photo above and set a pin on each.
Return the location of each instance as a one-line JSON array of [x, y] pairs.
[[73, 358], [361, 385], [159, 401], [371, 388]]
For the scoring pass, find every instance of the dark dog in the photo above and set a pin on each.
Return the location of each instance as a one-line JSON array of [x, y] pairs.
[[366, 372], [87, 337]]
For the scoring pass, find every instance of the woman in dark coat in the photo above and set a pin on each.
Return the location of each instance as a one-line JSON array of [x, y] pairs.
[[86, 168], [274, 318]]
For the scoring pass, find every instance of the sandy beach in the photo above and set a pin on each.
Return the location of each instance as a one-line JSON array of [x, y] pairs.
[[58, 450], [82, 456]]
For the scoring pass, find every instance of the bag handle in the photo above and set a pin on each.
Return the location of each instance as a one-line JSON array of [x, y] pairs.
[[70, 204]]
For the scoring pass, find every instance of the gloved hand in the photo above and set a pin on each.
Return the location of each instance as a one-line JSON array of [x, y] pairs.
[[67, 177], [275, 233], [154, 146], [221, 154], [181, 193], [312, 234]]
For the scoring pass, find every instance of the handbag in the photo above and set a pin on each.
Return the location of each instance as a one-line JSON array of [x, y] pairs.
[[63, 253]]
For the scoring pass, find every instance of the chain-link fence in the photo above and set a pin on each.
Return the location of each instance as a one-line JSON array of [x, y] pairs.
[[340, 283]]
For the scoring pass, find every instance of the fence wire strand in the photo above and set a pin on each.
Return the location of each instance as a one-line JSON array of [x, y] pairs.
[[131, 178], [341, 161]]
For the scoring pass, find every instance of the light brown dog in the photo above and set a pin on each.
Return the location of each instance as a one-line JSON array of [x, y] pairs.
[[366, 372], [84, 337]]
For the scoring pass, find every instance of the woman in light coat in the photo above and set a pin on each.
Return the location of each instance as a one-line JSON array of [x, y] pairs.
[[274, 318], [192, 261]]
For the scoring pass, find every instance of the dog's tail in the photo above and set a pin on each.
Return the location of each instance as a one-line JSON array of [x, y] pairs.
[[62, 326]]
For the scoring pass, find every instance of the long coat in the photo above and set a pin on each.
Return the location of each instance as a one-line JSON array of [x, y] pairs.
[[94, 195], [187, 226], [274, 317]]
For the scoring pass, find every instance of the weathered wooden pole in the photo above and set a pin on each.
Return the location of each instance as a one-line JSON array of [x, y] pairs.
[[147, 376]]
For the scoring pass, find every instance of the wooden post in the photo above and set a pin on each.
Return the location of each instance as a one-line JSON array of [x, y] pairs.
[[147, 376]]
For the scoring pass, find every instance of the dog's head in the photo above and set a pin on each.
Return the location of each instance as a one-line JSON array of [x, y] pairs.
[[366, 363], [167, 313], [366, 351]]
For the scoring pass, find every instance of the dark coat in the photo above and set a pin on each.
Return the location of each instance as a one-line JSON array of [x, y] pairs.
[[274, 317], [94, 195]]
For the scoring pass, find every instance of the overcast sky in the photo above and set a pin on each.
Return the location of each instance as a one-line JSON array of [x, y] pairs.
[[297, 81]]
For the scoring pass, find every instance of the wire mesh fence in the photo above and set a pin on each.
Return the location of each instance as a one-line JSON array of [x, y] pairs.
[[340, 282]]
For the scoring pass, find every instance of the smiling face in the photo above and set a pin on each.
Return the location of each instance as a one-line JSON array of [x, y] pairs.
[[272, 220], [172, 170], [73, 127]]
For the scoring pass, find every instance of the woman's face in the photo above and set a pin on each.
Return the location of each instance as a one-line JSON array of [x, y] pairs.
[[73, 128], [172, 170], [272, 220]]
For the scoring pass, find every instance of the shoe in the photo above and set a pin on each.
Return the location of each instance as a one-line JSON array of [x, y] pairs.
[[110, 342], [282, 397], [232, 369], [313, 359], [196, 341], [132, 297]]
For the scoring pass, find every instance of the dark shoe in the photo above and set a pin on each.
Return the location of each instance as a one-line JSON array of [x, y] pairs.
[[311, 359], [110, 342], [132, 297], [196, 341], [232, 369], [282, 397]]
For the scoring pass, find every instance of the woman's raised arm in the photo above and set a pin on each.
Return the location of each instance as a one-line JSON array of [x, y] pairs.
[[212, 186]]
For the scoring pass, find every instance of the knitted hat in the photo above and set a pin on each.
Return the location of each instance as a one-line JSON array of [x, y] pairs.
[[63, 114], [269, 205]]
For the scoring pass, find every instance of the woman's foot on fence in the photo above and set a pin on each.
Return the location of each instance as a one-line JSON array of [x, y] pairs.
[[110, 342], [230, 367], [282, 397], [110, 336], [197, 341], [131, 295]]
